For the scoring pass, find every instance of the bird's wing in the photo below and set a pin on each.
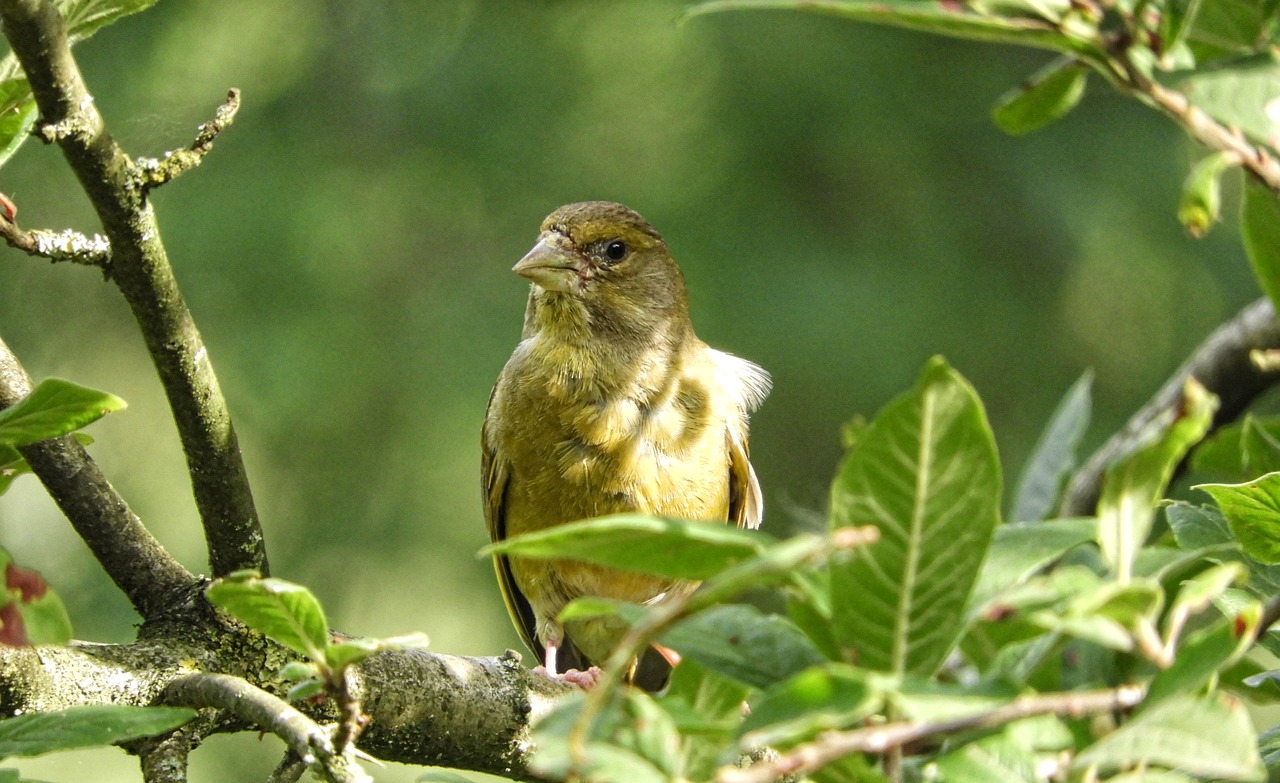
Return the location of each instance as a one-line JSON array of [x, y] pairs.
[[746, 502], [494, 472]]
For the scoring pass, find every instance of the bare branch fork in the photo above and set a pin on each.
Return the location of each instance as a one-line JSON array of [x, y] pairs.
[[117, 188]]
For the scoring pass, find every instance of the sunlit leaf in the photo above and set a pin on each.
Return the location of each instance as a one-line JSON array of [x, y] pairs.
[[284, 611], [926, 473], [1252, 510], [669, 547], [55, 407], [939, 18], [1207, 736], [1136, 482]]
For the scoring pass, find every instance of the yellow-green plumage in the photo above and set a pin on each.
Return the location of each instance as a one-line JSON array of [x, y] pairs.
[[610, 403]]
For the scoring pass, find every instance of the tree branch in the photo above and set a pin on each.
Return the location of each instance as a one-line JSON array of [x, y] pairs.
[[424, 708], [143, 569], [140, 267], [1221, 363], [879, 739]]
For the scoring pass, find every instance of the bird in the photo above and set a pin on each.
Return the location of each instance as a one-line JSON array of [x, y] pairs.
[[609, 404]]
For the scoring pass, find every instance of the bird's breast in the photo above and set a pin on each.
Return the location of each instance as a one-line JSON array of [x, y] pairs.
[[586, 440]]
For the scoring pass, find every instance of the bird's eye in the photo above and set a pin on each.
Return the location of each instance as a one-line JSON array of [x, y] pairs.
[[616, 250]]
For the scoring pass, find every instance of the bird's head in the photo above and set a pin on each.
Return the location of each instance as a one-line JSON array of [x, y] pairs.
[[605, 261]]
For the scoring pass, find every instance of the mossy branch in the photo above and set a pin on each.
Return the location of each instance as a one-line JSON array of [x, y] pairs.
[[152, 580], [140, 267]]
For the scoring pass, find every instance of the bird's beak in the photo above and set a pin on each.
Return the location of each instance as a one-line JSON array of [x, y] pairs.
[[551, 264]]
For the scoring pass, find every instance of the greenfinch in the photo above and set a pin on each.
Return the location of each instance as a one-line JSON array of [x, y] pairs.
[[609, 404]]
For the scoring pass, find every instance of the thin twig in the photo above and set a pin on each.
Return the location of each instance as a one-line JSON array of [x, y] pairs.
[[880, 739], [140, 267], [165, 760], [143, 569], [311, 742], [152, 173], [1221, 364], [58, 246], [289, 770]]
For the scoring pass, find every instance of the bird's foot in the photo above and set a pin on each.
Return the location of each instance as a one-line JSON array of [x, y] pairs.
[[584, 679]]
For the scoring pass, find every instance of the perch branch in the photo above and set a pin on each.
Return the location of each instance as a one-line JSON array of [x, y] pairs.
[[1221, 363], [143, 569], [140, 267], [880, 739], [424, 708]]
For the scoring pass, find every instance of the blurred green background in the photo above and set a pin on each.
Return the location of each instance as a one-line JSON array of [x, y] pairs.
[[839, 201]]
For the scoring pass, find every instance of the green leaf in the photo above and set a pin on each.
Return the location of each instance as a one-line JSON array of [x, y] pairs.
[[1252, 510], [12, 465], [1207, 736], [1048, 95], [952, 20], [1203, 654], [1136, 482], [995, 759], [677, 548], [1242, 450], [612, 753], [284, 611], [17, 114], [712, 700], [809, 607], [46, 619], [342, 654], [1020, 550], [1054, 456], [826, 697], [83, 727], [1260, 229], [743, 643], [1229, 28], [86, 17], [926, 473], [1237, 93], [304, 690], [1177, 20], [1201, 203], [54, 408]]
